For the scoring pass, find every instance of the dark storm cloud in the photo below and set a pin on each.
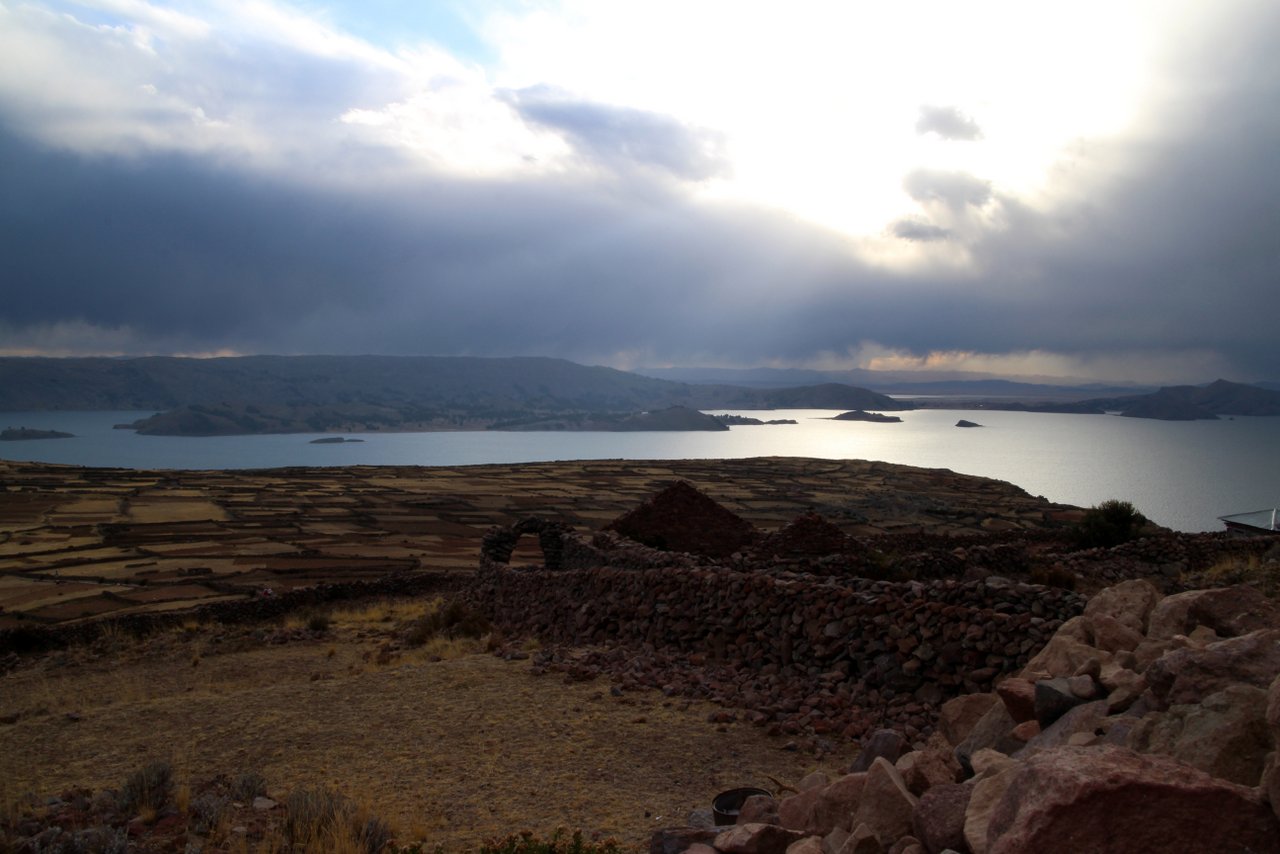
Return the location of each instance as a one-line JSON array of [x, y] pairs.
[[912, 228], [620, 137], [1174, 251], [947, 123], [953, 189]]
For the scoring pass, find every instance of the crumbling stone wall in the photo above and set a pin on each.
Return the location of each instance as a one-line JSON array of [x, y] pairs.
[[894, 637]]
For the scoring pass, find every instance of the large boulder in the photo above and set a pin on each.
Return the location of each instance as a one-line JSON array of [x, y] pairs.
[[1190, 674], [1112, 799], [938, 820], [992, 731], [1129, 603], [885, 743], [1228, 611], [886, 804], [1226, 735], [820, 810], [959, 715], [757, 839]]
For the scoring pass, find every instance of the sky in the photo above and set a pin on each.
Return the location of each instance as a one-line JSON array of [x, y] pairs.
[[1083, 190]]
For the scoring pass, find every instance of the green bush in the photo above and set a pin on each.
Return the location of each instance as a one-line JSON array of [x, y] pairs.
[[1109, 524]]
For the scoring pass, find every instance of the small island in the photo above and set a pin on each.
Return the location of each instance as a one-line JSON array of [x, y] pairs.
[[860, 415], [748, 421], [963, 423], [22, 434], [334, 440]]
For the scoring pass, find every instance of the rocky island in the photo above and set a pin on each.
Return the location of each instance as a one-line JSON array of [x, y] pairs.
[[20, 434], [860, 415]]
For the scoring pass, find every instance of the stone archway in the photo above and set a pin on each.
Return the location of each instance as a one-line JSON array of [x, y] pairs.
[[500, 542]]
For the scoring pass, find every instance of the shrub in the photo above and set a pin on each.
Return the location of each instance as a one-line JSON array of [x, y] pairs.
[[148, 788], [319, 621], [1109, 524], [248, 785], [454, 620], [320, 819], [205, 813]]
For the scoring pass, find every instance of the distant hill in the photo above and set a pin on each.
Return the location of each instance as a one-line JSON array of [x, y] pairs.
[[286, 394], [1187, 402], [1171, 403]]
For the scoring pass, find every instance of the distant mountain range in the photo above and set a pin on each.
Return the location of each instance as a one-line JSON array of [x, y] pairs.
[[283, 394], [289, 394], [896, 383]]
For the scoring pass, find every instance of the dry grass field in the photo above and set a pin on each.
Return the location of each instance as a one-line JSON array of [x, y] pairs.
[[446, 742]]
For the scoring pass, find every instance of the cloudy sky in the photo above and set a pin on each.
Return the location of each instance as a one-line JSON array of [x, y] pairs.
[[1074, 189]]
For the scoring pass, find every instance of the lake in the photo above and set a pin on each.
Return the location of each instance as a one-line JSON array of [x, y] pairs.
[[1182, 474]]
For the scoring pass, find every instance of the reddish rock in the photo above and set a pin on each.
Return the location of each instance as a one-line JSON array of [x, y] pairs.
[[958, 716], [921, 770], [863, 840], [1025, 731], [674, 840], [1111, 635], [838, 802], [1019, 697], [987, 792], [814, 780], [1228, 611], [1129, 603], [1114, 800], [762, 809], [1226, 735], [886, 804], [808, 845], [757, 839], [938, 819], [680, 518], [1189, 675], [834, 841], [886, 743], [1063, 655], [800, 811], [992, 732], [1083, 719]]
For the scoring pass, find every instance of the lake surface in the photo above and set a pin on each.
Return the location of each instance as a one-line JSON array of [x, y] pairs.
[[1183, 474]]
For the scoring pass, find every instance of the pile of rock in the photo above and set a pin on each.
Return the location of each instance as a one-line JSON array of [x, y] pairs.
[[683, 519], [1148, 723]]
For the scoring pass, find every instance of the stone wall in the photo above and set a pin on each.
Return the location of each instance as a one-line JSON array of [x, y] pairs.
[[930, 639]]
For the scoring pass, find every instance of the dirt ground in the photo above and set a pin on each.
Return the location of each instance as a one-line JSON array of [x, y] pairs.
[[453, 751]]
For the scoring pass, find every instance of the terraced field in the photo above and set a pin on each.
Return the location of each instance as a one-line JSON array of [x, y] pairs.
[[80, 543]]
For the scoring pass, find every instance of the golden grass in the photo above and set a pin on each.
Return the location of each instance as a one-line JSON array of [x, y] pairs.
[[453, 751], [1250, 569]]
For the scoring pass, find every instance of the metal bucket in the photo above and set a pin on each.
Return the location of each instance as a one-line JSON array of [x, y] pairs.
[[726, 805]]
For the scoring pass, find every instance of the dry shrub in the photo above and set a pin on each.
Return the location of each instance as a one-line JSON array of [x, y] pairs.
[[452, 621], [248, 785], [147, 789], [322, 820]]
